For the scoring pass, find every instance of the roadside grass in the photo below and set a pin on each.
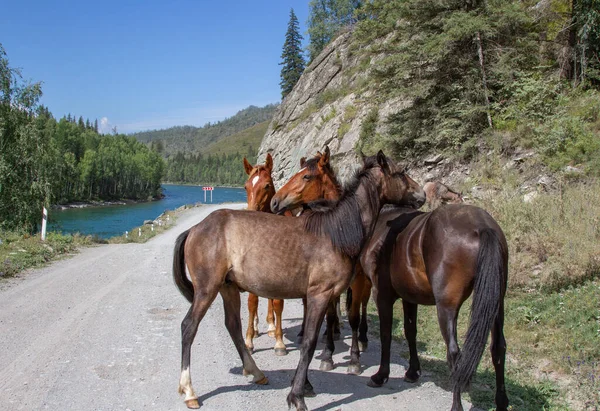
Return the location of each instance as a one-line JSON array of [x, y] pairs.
[[20, 251], [145, 232]]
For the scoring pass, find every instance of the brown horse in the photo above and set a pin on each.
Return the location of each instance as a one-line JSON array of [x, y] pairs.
[[316, 252], [316, 181], [438, 193], [440, 258], [260, 190]]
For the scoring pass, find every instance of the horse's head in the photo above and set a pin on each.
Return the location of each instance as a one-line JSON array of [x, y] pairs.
[[259, 186], [396, 185], [315, 181]]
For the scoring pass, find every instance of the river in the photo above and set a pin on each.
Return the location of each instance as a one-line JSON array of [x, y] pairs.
[[114, 220]]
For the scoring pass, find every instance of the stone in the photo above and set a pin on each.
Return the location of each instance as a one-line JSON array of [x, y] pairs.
[[530, 197], [433, 159]]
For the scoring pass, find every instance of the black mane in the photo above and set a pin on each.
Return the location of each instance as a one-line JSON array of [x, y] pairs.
[[341, 221]]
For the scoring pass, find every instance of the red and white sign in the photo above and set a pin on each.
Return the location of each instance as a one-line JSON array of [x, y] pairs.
[[208, 188]]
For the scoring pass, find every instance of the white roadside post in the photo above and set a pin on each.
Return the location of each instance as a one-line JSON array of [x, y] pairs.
[[44, 220], [204, 189], [211, 190]]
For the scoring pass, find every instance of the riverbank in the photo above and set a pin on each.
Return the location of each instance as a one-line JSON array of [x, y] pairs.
[[102, 203], [21, 251]]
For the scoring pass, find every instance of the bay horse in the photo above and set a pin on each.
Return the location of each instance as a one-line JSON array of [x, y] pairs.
[[438, 193], [440, 258], [310, 256], [316, 181], [259, 191]]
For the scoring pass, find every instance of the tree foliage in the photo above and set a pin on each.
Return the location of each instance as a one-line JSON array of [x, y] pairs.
[[292, 60], [326, 19], [44, 161]]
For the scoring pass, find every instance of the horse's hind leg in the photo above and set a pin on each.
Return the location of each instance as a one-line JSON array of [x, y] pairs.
[[233, 322], [279, 344], [327, 361], [189, 327], [447, 320], [333, 321], [252, 330], [410, 332], [498, 349], [270, 319]]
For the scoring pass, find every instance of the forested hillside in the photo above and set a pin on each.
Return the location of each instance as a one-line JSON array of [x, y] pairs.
[[189, 139], [44, 161]]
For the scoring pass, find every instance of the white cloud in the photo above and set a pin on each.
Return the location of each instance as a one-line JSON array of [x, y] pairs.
[[104, 126]]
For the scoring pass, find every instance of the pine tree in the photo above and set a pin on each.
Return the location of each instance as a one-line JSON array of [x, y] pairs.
[[326, 19], [292, 60]]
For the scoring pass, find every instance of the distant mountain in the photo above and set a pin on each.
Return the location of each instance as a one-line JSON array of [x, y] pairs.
[[190, 139]]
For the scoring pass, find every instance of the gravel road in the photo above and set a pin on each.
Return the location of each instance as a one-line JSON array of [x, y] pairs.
[[100, 331]]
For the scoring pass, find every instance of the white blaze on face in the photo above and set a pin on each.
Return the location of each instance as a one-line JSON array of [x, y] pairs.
[[255, 180], [302, 170]]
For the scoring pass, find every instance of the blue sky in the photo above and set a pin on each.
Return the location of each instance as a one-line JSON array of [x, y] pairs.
[[141, 65]]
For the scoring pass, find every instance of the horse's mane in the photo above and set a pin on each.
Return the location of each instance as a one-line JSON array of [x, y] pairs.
[[341, 221], [312, 165]]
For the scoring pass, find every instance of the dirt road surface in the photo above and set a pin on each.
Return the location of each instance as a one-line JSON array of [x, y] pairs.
[[100, 331]]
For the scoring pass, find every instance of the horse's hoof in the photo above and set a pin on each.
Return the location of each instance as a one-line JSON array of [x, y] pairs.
[[412, 377], [326, 365], [262, 381], [353, 369], [375, 384], [280, 351], [362, 346], [309, 391], [192, 404]]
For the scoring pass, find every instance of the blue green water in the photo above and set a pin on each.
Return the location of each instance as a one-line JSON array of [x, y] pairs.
[[110, 221]]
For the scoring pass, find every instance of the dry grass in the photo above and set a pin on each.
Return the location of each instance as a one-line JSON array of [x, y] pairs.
[[554, 240]]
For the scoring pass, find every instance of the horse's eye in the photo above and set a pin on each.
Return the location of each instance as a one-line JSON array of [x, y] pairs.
[[267, 186], [307, 177]]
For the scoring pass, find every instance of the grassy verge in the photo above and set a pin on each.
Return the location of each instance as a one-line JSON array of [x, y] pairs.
[[552, 309], [145, 232], [20, 251]]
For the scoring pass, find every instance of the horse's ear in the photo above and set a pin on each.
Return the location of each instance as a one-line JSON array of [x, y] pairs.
[[324, 160], [269, 162], [302, 162], [247, 166], [382, 161]]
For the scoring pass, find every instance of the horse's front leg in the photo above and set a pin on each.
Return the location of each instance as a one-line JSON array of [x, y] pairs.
[[385, 307], [327, 361], [363, 340], [410, 333], [316, 307], [271, 319], [354, 320], [252, 330], [280, 348]]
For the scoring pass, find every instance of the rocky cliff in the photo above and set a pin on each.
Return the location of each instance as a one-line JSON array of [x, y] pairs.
[[324, 108]]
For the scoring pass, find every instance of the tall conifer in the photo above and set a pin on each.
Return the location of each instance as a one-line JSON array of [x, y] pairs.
[[292, 60]]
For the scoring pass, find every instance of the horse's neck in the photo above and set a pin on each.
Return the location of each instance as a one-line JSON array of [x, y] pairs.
[[333, 189], [369, 203]]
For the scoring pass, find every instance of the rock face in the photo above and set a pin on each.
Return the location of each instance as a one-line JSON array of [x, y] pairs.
[[310, 116]]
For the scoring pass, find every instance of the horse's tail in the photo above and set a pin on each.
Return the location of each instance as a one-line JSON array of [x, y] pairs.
[[488, 290], [183, 283]]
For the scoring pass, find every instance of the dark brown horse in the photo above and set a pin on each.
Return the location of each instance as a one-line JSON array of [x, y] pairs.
[[316, 252], [440, 258], [316, 181], [438, 193], [260, 190]]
